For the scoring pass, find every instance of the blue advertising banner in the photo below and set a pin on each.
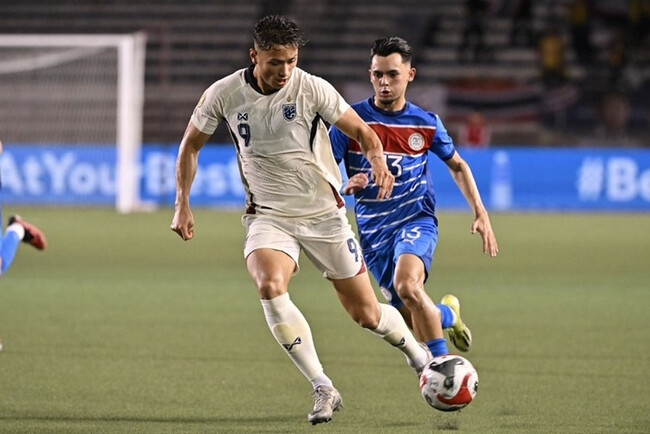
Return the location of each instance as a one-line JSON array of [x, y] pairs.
[[510, 179], [217, 182], [66, 175], [543, 179]]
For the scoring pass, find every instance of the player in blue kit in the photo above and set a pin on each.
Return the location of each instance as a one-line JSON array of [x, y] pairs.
[[399, 235], [17, 230]]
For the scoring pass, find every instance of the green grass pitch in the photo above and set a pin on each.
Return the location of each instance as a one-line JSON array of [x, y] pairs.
[[120, 327]]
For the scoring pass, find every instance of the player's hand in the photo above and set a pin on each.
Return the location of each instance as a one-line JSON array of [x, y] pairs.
[[183, 222], [356, 183], [382, 177], [483, 226]]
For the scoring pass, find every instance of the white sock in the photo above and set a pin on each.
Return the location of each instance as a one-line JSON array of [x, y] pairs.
[[291, 330], [321, 380], [18, 229], [394, 330]]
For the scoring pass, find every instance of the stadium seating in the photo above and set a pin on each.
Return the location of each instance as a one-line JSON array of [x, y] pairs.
[[191, 43]]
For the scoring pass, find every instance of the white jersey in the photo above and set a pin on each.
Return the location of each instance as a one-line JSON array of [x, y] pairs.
[[284, 151]]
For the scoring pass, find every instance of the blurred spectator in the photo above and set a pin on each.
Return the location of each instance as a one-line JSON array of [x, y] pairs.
[[617, 57], [475, 132], [639, 20], [521, 31], [614, 113], [472, 47], [580, 14], [552, 57]]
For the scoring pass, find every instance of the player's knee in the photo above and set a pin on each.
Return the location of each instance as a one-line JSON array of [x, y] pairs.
[[414, 297], [270, 287], [410, 291]]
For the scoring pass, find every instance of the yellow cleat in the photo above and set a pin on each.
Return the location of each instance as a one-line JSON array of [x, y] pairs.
[[459, 333]]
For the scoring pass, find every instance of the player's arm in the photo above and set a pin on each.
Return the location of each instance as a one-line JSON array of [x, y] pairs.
[[340, 144], [464, 179], [355, 128], [186, 167]]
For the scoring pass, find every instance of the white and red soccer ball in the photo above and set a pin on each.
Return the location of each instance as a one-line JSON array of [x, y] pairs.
[[449, 383]]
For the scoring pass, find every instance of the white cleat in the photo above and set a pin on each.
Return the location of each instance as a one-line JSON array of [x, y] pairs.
[[328, 400]]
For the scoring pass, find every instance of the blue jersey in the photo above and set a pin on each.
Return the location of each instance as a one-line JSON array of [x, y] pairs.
[[408, 136]]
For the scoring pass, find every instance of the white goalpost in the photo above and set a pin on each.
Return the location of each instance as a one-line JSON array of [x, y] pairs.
[[77, 89]]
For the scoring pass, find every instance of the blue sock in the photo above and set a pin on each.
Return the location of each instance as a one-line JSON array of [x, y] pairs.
[[446, 316], [438, 347], [8, 248]]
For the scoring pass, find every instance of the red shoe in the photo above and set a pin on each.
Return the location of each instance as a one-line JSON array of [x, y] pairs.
[[33, 235]]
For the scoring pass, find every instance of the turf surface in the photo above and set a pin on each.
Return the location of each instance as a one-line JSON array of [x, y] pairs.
[[120, 327]]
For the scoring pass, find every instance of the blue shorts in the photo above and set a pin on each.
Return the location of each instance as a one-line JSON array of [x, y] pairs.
[[417, 237]]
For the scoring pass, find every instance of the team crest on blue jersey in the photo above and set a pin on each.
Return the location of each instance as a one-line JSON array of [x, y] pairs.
[[289, 111], [416, 141]]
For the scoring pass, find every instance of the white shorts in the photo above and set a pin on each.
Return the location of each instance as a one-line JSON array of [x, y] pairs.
[[328, 241]]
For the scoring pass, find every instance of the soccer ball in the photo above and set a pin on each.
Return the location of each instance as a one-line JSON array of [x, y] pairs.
[[449, 383]]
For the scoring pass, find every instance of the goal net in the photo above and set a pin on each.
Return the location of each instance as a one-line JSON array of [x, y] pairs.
[[85, 90]]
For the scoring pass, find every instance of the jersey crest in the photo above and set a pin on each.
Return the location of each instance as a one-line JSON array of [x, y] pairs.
[[289, 111], [416, 141]]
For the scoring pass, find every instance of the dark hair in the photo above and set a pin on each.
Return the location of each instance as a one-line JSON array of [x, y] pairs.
[[277, 30], [387, 46]]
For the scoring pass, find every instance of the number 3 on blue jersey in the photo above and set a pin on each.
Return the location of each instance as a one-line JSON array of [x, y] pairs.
[[394, 164]]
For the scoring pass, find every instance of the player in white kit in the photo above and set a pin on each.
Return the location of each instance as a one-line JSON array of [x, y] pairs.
[[276, 113]]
